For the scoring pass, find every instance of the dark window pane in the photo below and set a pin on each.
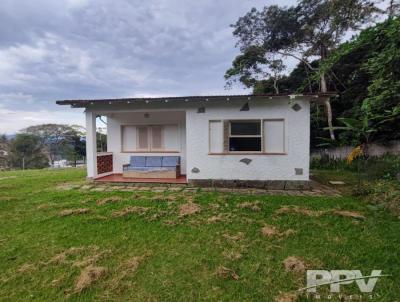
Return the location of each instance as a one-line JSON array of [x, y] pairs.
[[245, 144], [245, 128]]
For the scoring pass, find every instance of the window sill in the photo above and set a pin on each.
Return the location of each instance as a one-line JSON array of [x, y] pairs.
[[247, 153], [160, 151]]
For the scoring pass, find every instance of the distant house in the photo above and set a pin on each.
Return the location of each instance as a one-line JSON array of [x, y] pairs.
[[231, 140]]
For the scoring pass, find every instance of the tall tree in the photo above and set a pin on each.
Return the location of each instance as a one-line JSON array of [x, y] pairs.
[[311, 29], [53, 137], [26, 152]]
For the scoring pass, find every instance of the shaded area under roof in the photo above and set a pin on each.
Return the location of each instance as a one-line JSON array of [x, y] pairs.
[[87, 102]]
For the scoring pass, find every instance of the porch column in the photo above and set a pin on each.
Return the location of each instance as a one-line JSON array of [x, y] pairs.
[[91, 147]]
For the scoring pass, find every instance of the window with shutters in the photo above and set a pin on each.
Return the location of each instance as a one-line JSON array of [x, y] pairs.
[[150, 138], [247, 136]]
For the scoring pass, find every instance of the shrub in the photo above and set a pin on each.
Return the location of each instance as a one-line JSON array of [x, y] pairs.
[[383, 192], [371, 168]]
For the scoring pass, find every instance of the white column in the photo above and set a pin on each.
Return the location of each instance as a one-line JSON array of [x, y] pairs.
[[91, 148]]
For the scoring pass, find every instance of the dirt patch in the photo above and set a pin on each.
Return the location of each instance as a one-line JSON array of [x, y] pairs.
[[226, 273], [130, 210], [127, 268], [189, 208], [269, 231], [298, 210], [237, 237], [294, 264], [351, 214], [232, 255], [254, 206], [170, 222], [90, 260], [164, 198], [70, 212], [111, 199], [88, 276], [214, 219], [286, 297], [62, 257], [27, 267]]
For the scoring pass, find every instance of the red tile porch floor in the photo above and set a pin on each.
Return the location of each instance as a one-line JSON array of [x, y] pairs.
[[118, 178]]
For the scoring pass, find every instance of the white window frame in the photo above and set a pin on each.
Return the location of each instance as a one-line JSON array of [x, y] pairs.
[[244, 136]]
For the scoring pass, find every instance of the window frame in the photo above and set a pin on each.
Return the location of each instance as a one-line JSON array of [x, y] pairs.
[[149, 137], [263, 140], [261, 123]]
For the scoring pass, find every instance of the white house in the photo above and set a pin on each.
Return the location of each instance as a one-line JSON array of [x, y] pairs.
[[234, 140]]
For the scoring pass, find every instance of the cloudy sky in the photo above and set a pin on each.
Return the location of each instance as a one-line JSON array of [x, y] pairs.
[[66, 49]]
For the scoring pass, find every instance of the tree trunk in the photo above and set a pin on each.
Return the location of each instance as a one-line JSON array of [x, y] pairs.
[[328, 108], [276, 86]]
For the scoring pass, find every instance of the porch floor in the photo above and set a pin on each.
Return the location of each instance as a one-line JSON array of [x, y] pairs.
[[117, 177]]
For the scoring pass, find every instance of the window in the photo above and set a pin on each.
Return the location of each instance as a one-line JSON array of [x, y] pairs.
[[252, 136], [245, 136], [148, 138]]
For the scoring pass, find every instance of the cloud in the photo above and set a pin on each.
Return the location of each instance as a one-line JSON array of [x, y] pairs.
[[65, 49]]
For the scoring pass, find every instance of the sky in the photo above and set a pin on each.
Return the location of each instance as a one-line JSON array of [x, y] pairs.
[[71, 49]]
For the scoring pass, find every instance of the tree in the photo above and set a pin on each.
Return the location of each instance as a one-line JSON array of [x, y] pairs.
[[311, 29], [26, 152], [53, 137], [4, 149], [368, 67], [74, 146]]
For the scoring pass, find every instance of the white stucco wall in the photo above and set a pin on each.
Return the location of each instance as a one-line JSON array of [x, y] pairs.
[[194, 136], [262, 167]]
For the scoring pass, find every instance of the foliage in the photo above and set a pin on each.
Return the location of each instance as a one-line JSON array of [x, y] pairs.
[[382, 167], [368, 78], [26, 152], [181, 255], [381, 193], [60, 140], [311, 28], [4, 149]]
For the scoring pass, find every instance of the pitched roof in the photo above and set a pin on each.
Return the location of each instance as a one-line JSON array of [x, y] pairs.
[[86, 102]]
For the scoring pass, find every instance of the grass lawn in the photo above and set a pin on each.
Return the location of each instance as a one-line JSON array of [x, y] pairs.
[[128, 246]]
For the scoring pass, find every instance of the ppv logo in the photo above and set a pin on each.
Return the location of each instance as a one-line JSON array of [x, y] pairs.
[[336, 278]]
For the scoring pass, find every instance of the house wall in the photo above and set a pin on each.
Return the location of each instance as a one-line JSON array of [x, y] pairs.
[[261, 167], [194, 136], [115, 121]]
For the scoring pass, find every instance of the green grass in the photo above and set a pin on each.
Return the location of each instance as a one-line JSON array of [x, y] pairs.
[[181, 255]]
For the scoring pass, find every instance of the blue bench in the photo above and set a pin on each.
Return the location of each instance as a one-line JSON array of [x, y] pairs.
[[152, 167]]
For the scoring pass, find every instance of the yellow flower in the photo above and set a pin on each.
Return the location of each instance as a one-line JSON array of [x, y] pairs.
[[356, 152]]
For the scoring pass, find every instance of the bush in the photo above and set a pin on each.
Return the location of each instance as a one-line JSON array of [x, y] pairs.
[[371, 168], [383, 193]]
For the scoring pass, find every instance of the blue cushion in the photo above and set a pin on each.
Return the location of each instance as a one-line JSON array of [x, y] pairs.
[[138, 161], [153, 161], [170, 161], [148, 169]]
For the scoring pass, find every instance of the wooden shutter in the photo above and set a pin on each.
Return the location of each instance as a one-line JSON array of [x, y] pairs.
[[226, 135], [156, 138], [216, 137], [143, 138], [274, 136]]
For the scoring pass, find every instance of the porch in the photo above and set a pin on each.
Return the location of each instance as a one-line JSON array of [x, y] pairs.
[[118, 178], [136, 134]]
